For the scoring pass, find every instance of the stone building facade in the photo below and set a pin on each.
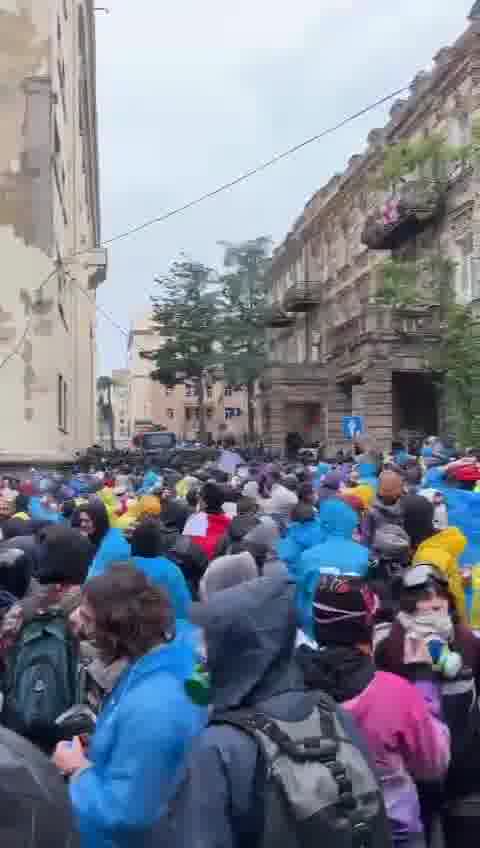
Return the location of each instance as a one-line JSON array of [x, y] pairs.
[[333, 349], [49, 229], [176, 409]]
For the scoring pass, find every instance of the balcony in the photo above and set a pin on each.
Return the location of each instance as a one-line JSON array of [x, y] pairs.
[[292, 374], [385, 322], [416, 204], [278, 318], [301, 297]]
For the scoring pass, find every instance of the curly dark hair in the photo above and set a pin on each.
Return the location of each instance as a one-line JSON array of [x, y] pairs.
[[132, 615]]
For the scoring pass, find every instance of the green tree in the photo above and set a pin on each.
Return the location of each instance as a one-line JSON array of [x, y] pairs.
[[104, 387], [244, 309], [185, 315], [430, 277]]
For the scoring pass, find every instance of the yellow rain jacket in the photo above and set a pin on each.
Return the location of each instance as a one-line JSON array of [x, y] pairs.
[[443, 550]]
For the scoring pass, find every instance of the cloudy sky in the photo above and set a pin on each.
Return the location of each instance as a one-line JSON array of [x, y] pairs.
[[191, 94]]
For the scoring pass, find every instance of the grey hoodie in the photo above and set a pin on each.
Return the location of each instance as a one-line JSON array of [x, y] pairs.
[[380, 514], [250, 633]]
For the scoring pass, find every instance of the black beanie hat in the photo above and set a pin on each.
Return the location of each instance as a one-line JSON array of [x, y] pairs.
[[343, 611]]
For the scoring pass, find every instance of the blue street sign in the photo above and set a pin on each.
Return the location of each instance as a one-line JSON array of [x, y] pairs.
[[352, 426]]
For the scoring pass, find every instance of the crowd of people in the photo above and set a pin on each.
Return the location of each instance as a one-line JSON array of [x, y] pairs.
[[252, 654]]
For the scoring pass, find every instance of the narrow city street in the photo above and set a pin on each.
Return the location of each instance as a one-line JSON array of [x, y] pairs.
[[240, 430]]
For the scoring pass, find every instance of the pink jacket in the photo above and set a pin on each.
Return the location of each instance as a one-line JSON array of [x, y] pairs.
[[408, 743]]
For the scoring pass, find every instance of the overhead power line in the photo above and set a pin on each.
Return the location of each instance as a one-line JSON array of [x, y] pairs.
[[253, 171], [263, 166]]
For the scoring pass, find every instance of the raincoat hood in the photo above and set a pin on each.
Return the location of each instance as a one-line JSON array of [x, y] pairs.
[[337, 518], [450, 540], [255, 624], [442, 550]]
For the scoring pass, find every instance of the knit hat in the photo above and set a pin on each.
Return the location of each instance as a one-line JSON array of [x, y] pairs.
[[343, 611], [390, 485], [227, 571]]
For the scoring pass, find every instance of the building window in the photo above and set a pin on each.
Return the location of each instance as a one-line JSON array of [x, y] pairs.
[[65, 10], [62, 404], [209, 391], [228, 391], [170, 413], [168, 390], [189, 391]]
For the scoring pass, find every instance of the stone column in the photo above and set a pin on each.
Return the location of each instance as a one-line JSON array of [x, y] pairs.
[[378, 404], [338, 405]]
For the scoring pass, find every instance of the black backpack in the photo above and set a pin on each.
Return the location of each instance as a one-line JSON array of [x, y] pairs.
[[41, 679], [317, 787]]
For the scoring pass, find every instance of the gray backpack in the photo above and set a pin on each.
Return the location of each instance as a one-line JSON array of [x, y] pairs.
[[316, 789]]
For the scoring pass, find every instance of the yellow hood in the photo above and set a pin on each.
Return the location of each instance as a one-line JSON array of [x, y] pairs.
[[365, 492], [443, 550], [450, 540]]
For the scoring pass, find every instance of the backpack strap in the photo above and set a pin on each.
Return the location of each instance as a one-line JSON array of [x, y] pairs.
[[319, 748], [323, 749]]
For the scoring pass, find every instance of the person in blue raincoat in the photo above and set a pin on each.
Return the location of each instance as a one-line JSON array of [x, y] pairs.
[[304, 532], [337, 554], [110, 543], [146, 549], [121, 786]]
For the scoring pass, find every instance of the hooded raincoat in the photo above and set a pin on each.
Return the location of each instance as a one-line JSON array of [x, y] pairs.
[[443, 550], [165, 573], [217, 804], [337, 554], [113, 548], [137, 751]]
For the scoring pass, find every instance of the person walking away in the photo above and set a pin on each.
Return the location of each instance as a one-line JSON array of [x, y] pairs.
[[337, 554], [386, 508], [254, 623], [40, 678], [208, 526], [408, 741], [122, 784]]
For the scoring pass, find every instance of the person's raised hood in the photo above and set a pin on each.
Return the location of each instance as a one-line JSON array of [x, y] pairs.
[[250, 633], [337, 518]]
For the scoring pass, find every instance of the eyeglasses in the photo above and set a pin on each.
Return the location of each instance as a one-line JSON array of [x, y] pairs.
[[422, 574]]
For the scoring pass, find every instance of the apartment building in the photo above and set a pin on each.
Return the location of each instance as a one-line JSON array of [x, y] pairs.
[[52, 262], [153, 405], [334, 349]]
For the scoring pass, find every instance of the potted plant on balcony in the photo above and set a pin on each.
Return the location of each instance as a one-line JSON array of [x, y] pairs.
[[424, 287], [417, 176]]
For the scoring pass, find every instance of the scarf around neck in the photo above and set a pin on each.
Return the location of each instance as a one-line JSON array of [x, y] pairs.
[[427, 626]]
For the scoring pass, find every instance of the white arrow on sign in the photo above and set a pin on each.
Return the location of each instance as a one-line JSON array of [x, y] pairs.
[[352, 426]]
